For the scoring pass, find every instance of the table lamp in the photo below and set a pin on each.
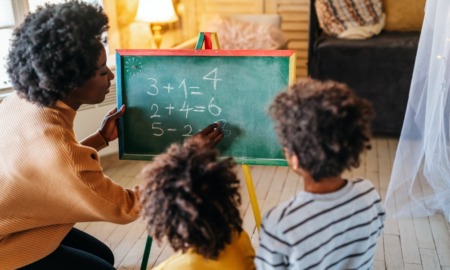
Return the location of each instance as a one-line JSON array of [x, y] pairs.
[[156, 13]]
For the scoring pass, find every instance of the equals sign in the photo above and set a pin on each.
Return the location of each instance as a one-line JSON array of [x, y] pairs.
[[199, 109], [195, 92]]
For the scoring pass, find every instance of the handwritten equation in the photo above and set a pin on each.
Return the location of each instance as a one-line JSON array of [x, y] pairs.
[[191, 104]]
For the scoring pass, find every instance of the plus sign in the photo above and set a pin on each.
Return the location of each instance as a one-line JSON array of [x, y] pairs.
[[168, 87], [170, 108]]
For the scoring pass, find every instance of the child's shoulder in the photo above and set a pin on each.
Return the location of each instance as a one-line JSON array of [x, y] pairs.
[[363, 188], [275, 215], [361, 183]]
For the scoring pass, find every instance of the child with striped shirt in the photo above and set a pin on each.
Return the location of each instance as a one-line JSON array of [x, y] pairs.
[[334, 223]]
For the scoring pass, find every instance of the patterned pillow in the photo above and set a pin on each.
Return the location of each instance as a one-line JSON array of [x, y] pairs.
[[350, 19]]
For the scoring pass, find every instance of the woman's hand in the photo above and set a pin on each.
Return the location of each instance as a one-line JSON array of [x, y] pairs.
[[212, 134], [108, 129]]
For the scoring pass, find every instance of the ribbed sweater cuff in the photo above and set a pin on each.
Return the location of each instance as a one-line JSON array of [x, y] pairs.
[[95, 141]]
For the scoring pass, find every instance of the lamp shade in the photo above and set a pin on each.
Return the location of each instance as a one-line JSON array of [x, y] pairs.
[[156, 11]]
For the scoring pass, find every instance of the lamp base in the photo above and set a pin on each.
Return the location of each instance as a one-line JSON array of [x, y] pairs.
[[156, 32]]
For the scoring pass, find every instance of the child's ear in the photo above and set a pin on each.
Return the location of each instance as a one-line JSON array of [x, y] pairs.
[[292, 159], [295, 162]]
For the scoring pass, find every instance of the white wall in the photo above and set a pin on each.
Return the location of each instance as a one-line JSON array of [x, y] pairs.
[[88, 121], [90, 117]]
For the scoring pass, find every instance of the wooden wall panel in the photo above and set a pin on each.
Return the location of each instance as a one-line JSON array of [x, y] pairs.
[[295, 14]]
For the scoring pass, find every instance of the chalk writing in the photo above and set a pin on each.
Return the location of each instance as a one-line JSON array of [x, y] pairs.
[[173, 94], [188, 107]]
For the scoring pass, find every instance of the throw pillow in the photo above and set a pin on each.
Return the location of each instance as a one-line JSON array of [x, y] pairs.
[[404, 15], [350, 19], [235, 34]]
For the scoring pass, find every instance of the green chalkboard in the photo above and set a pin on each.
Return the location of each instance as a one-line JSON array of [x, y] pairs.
[[173, 94]]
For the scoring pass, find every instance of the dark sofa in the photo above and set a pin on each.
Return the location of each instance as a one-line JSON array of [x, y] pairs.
[[378, 69]]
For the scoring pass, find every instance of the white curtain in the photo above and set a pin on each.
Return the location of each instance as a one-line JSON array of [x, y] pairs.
[[420, 179]]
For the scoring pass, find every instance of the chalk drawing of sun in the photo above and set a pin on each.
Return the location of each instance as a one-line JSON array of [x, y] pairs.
[[133, 66]]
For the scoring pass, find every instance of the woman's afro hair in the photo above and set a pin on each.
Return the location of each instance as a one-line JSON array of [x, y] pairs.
[[324, 124], [192, 198], [56, 50]]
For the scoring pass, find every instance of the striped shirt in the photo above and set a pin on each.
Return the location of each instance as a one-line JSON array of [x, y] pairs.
[[337, 230]]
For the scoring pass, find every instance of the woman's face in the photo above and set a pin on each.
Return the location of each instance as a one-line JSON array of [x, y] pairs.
[[94, 90]]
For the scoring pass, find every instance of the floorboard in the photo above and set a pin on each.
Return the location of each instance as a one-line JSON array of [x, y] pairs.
[[419, 243]]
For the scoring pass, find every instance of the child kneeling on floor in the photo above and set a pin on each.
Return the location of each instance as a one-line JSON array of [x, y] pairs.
[[191, 197], [334, 223]]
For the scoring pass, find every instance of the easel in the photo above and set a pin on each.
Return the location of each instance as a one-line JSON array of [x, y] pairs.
[[207, 39]]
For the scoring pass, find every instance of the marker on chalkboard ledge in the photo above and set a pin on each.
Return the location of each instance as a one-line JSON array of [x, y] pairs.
[[207, 38]]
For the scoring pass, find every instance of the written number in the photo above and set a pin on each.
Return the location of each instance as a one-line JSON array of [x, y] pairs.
[[157, 131], [153, 88], [155, 114], [214, 109], [189, 131], [223, 123], [212, 76]]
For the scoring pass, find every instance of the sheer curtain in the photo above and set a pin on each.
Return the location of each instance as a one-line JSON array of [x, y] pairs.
[[420, 179]]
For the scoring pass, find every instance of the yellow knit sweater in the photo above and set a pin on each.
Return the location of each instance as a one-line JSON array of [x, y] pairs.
[[238, 255], [49, 181]]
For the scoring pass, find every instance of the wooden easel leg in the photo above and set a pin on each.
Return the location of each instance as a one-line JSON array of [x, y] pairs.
[[252, 195], [148, 245]]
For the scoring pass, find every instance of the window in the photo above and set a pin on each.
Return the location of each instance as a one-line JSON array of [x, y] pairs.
[[12, 12], [9, 16]]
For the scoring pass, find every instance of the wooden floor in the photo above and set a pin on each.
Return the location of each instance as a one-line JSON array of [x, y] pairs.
[[422, 243]]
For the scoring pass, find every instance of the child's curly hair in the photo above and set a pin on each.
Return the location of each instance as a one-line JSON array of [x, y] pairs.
[[324, 124], [192, 198], [56, 50]]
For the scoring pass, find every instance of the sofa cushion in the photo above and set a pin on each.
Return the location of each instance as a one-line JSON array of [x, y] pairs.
[[378, 69], [404, 15], [351, 19]]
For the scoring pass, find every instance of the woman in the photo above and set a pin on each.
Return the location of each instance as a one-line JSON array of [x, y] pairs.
[[48, 180]]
